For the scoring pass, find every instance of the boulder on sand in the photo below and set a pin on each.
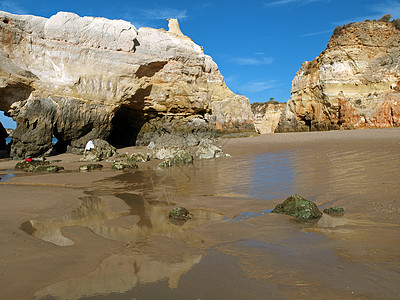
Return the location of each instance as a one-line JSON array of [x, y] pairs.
[[100, 150], [297, 206]]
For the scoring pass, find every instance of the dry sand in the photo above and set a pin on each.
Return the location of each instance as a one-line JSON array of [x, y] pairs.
[[106, 234]]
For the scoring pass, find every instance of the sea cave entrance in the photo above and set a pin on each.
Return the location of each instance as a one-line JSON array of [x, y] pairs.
[[126, 126], [7, 125]]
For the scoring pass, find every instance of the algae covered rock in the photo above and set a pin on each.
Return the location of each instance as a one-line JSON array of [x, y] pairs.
[[180, 213], [45, 168], [101, 150], [335, 210], [90, 167], [25, 165], [207, 150], [180, 157], [298, 207], [120, 165], [139, 157], [166, 163], [38, 165]]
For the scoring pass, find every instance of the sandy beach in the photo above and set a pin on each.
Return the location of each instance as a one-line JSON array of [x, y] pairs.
[[106, 234]]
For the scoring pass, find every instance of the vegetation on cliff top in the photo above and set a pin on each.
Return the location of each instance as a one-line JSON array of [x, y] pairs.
[[385, 18]]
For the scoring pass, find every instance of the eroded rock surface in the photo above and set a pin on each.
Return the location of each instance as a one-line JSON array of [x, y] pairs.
[[82, 78], [354, 83], [267, 116]]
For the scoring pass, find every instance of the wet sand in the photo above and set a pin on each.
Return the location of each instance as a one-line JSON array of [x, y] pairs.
[[106, 234]]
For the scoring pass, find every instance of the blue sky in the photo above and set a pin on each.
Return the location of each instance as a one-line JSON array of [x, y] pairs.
[[258, 45]]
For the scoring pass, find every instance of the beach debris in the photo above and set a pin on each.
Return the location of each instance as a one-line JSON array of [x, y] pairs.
[[180, 213], [101, 150], [89, 146], [298, 207], [139, 157], [334, 210], [207, 150], [90, 167], [120, 165]]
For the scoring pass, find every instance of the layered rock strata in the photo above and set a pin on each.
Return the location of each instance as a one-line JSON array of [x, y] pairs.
[[267, 116], [354, 83], [80, 78]]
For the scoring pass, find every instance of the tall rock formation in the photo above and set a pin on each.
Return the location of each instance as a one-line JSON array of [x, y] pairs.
[[80, 78], [267, 116], [354, 83]]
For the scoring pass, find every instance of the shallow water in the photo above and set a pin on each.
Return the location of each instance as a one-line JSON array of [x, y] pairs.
[[234, 248], [6, 177]]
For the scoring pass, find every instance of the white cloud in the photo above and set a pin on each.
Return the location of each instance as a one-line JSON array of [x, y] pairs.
[[377, 11], [387, 7], [153, 17], [253, 61], [232, 78], [316, 33], [12, 7], [285, 2], [163, 13], [259, 86]]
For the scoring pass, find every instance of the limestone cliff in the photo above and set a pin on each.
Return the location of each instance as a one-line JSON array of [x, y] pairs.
[[354, 83], [267, 116], [80, 78]]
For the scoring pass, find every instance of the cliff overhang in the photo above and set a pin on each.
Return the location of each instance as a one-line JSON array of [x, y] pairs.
[[80, 78]]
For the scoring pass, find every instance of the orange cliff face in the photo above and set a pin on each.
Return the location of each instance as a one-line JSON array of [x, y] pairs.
[[354, 83]]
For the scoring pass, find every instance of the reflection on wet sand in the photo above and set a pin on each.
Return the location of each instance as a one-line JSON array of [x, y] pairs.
[[264, 176], [143, 219], [266, 255], [123, 271]]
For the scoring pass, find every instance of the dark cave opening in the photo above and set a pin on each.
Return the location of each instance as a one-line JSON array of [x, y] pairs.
[[4, 148], [59, 145], [308, 123], [126, 126], [7, 125]]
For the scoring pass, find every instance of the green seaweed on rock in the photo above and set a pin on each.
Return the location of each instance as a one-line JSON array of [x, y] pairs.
[[335, 210], [297, 206], [180, 213]]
